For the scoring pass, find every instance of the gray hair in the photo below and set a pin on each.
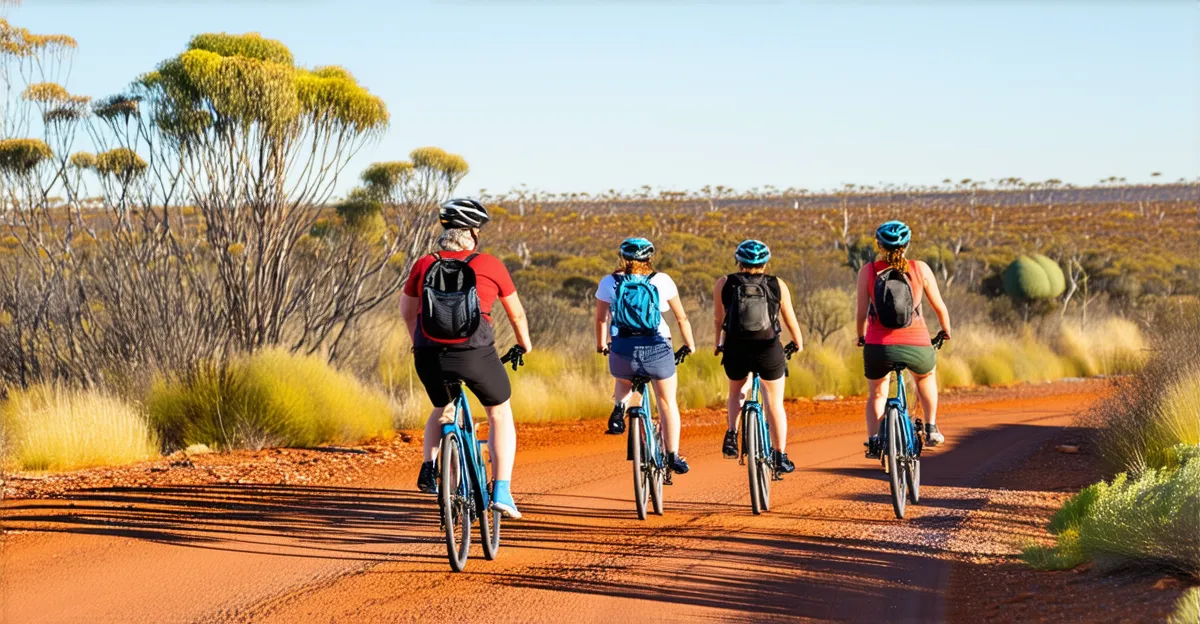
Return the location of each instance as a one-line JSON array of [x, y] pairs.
[[457, 239]]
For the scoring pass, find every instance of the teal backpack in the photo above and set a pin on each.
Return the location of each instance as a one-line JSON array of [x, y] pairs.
[[635, 306]]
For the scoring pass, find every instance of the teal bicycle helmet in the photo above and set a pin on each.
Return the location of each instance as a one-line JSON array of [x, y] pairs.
[[752, 253], [893, 235], [637, 249]]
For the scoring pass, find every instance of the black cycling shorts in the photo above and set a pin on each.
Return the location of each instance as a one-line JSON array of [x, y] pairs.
[[479, 369], [764, 357]]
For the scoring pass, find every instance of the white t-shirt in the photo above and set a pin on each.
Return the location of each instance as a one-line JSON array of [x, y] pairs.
[[667, 290]]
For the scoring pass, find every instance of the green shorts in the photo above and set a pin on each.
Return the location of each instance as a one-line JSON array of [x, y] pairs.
[[878, 360]]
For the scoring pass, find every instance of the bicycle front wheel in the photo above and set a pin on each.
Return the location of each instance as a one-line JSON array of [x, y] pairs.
[[896, 464], [489, 521], [641, 484], [766, 470], [656, 482], [753, 466], [456, 513]]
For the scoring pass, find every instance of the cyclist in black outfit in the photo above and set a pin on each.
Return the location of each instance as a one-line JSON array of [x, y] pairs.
[[748, 306]]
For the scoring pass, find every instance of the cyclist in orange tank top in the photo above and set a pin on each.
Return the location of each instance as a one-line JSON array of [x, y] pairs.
[[887, 342]]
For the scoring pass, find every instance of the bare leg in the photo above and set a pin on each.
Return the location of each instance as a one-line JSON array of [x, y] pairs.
[[623, 392], [668, 411], [776, 412], [433, 430], [877, 394], [737, 396], [502, 440], [928, 391]]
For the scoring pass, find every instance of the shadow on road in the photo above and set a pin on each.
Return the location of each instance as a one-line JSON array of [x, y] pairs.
[[284, 520]]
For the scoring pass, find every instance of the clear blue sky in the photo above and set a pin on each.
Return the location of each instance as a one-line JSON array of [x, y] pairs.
[[586, 96]]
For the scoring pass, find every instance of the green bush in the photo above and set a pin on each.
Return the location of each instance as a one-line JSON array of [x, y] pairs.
[[1054, 274], [1026, 280], [1149, 520], [271, 398]]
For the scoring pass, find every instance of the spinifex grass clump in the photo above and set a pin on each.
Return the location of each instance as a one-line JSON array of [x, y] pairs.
[[271, 398], [53, 428], [1150, 520]]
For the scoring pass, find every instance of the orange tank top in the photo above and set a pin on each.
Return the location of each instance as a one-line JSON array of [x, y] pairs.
[[916, 334]]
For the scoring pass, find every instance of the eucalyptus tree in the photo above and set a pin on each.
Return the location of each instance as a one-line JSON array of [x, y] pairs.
[[260, 143]]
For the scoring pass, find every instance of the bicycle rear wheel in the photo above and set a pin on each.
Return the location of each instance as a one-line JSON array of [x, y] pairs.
[[641, 482], [456, 513], [753, 466], [895, 464]]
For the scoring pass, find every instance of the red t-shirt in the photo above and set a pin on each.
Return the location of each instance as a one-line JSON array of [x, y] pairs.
[[916, 334], [492, 280]]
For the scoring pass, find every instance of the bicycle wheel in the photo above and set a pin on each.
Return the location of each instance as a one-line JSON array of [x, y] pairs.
[[489, 521], [913, 476], [456, 514], [895, 463], [753, 468], [766, 472], [656, 482], [641, 484]]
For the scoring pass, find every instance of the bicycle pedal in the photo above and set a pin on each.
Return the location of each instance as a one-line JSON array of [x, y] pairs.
[[667, 479]]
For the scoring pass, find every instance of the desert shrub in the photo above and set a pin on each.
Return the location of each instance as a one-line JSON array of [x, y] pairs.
[[953, 372], [54, 428], [271, 398], [1147, 520], [1156, 410]]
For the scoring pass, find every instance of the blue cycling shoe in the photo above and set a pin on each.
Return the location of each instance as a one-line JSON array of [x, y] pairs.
[[502, 500]]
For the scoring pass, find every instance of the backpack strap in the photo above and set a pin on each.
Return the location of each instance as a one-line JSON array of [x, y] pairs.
[[469, 258], [651, 276]]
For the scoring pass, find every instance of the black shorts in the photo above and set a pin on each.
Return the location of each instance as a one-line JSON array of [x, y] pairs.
[[764, 357], [479, 369]]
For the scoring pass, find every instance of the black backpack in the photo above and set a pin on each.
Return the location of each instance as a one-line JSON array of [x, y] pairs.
[[752, 307], [449, 302], [892, 301]]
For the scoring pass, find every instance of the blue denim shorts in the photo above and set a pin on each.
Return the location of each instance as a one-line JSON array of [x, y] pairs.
[[649, 356]]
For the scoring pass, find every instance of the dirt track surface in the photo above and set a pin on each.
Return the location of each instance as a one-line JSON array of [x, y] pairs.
[[830, 548]]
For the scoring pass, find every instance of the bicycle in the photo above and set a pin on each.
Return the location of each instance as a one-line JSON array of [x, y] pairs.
[[645, 448], [902, 439], [757, 452], [464, 495]]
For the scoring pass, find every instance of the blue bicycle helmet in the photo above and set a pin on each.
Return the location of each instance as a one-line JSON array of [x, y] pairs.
[[893, 235], [752, 253], [637, 249]]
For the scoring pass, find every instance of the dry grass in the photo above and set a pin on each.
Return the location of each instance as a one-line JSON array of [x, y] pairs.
[[271, 398], [53, 428]]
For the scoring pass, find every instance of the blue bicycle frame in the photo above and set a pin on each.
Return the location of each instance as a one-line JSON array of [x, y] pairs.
[[470, 455], [908, 435], [754, 407], [645, 414]]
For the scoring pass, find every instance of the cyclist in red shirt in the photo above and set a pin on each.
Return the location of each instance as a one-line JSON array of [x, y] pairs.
[[472, 360]]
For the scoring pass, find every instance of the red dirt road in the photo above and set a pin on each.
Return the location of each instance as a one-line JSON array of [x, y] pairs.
[[830, 549]]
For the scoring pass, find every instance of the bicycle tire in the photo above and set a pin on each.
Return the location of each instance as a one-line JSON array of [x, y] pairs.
[[766, 472], [895, 465], [489, 521], [656, 483], [641, 485], [454, 515], [913, 476], [752, 462]]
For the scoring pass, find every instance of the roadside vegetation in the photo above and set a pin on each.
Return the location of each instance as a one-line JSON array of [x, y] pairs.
[[175, 256], [1148, 515]]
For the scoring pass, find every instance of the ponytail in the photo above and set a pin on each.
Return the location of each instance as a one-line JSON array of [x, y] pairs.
[[895, 258]]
